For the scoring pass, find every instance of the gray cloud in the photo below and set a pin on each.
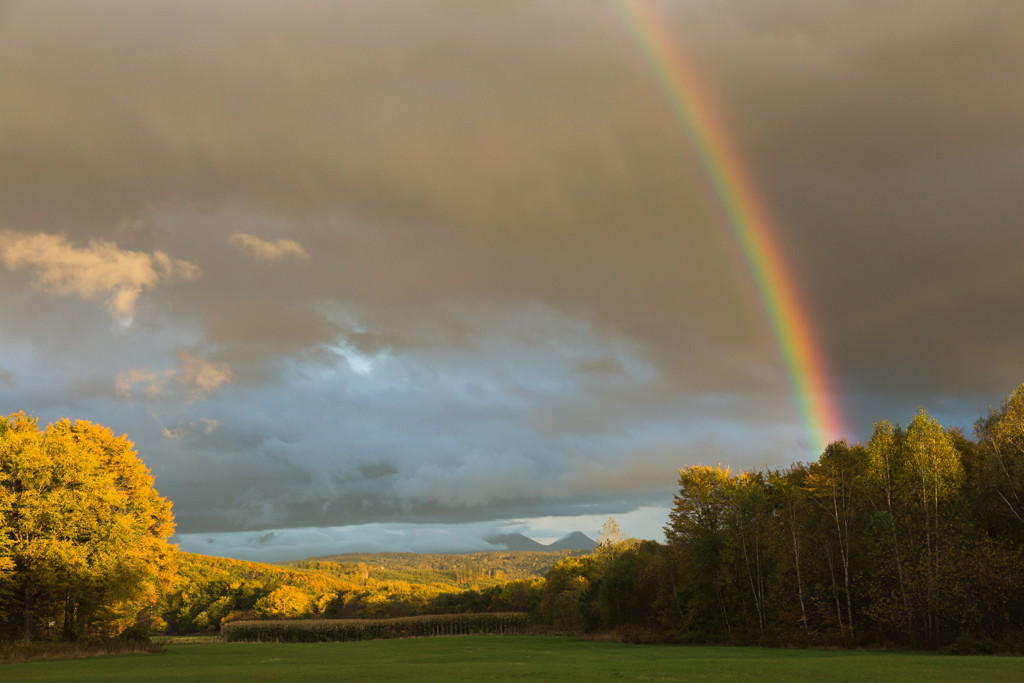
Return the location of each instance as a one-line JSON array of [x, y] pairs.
[[458, 260]]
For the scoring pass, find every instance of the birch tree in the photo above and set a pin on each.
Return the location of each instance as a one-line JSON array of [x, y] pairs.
[[1001, 436], [934, 473]]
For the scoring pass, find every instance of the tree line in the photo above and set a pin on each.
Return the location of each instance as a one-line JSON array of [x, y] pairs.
[[912, 539]]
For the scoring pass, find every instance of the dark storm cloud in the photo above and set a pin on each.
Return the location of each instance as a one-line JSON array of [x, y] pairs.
[[889, 138], [455, 260]]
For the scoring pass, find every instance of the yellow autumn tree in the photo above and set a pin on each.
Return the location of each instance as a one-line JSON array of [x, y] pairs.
[[611, 542], [84, 533], [1001, 436], [934, 474], [283, 602]]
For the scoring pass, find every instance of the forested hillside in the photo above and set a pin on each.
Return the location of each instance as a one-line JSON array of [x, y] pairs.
[[212, 591], [480, 569]]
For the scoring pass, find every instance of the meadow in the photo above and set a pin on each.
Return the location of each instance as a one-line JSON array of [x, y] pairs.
[[515, 658]]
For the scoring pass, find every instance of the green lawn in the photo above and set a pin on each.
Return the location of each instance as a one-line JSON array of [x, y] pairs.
[[514, 658]]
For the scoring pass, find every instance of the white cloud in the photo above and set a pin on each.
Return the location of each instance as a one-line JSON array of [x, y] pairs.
[[266, 250], [99, 269]]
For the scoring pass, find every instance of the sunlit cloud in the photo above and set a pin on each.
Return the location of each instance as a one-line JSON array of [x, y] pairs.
[[266, 250], [99, 269], [184, 429], [195, 377], [176, 433], [203, 375], [152, 382]]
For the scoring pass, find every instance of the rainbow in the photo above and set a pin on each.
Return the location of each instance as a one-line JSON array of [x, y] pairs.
[[748, 219]]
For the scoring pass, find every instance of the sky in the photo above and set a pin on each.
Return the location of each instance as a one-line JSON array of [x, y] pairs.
[[395, 275]]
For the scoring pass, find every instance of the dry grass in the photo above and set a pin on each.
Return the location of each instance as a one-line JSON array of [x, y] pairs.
[[187, 640], [338, 630], [614, 637], [35, 652]]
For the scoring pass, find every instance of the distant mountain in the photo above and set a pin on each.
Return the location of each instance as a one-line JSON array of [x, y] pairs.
[[518, 542], [574, 541]]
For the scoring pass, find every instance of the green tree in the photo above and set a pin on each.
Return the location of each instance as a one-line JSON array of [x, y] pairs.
[[831, 483], [791, 504], [696, 534], [566, 589], [749, 526]]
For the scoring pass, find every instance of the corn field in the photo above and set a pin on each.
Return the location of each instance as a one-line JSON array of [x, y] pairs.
[[336, 630]]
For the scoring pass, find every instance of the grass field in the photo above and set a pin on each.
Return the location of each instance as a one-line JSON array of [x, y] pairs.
[[514, 658]]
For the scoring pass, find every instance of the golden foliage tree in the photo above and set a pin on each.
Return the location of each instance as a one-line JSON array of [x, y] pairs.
[[1001, 435], [84, 534], [283, 602]]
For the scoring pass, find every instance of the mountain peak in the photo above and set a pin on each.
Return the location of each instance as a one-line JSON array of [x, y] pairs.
[[518, 542]]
